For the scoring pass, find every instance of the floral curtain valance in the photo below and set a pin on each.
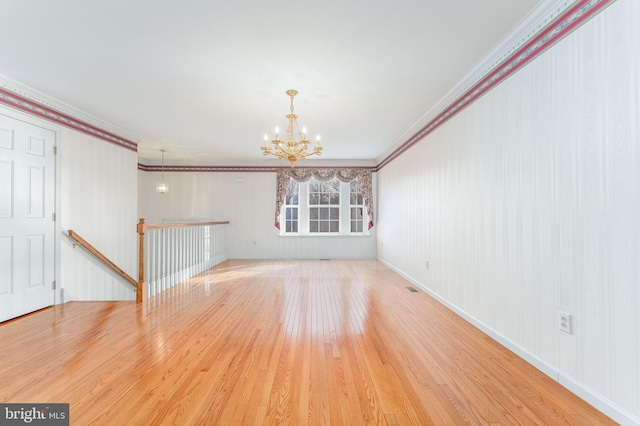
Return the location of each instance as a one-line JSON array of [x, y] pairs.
[[324, 175]]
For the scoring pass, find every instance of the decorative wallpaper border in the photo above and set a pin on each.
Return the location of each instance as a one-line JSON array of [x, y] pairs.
[[564, 24], [29, 106], [169, 168], [243, 169]]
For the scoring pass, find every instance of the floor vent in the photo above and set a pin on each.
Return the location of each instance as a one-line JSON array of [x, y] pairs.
[[325, 259], [411, 289]]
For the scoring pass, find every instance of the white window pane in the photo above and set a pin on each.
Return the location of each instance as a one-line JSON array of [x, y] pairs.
[[292, 192], [314, 186], [291, 213]]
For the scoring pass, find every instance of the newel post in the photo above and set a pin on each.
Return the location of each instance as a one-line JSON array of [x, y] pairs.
[[141, 288]]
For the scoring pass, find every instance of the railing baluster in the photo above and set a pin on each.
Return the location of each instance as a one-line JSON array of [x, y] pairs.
[[189, 242], [164, 265], [199, 248], [168, 263], [149, 266], [156, 259], [179, 238], [174, 247]]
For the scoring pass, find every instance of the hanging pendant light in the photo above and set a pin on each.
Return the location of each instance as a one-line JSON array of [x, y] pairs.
[[162, 187]]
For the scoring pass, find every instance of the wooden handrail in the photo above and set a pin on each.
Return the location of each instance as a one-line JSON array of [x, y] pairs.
[[84, 244], [142, 227], [182, 225]]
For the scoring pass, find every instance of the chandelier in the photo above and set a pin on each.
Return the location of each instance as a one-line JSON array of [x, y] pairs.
[[291, 150], [162, 187]]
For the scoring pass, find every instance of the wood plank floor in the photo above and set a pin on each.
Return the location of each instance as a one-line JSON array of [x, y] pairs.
[[277, 342]]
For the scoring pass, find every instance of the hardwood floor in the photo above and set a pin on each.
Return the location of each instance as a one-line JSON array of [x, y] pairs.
[[277, 342]]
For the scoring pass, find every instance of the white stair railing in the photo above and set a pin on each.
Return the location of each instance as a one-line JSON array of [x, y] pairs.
[[172, 253]]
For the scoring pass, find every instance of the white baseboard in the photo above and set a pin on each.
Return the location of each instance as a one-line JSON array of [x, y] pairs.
[[598, 401]]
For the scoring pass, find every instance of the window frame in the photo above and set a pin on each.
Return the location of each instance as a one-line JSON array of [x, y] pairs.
[[359, 207], [319, 221], [344, 228], [289, 206]]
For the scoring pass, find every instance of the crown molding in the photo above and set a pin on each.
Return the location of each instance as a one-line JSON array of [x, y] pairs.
[[547, 24], [18, 96]]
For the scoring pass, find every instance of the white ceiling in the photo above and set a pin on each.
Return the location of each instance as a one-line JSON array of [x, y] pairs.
[[207, 79]]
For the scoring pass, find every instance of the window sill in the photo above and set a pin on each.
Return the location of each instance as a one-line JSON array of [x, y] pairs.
[[324, 235]]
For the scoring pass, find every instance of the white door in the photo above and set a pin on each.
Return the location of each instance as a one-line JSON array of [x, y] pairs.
[[27, 228]]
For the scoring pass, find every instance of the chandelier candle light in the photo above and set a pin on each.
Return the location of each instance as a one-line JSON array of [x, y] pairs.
[[162, 187], [291, 150]]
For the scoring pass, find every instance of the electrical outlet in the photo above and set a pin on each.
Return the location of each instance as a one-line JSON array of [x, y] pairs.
[[426, 263], [564, 322]]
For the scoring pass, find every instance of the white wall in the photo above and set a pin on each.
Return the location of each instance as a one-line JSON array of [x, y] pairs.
[[249, 207], [528, 202], [98, 189], [96, 196]]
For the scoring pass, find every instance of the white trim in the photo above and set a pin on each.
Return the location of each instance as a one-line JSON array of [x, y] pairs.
[[57, 105], [326, 235], [598, 401]]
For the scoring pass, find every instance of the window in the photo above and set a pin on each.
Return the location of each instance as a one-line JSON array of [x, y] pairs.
[[324, 200], [316, 207], [356, 207], [324, 206], [291, 206]]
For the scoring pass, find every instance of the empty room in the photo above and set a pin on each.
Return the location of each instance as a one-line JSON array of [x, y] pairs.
[[330, 213]]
